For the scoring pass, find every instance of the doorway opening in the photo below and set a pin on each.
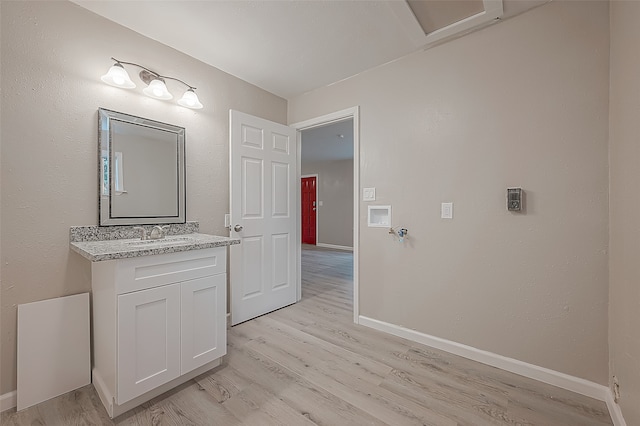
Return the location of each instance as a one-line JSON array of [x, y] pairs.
[[328, 210]]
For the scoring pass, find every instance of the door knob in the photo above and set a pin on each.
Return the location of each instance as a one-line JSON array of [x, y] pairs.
[[238, 228]]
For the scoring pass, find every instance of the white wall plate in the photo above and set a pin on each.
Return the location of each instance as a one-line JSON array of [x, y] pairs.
[[368, 194], [379, 216]]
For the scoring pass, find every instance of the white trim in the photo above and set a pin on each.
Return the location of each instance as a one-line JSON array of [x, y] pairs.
[[345, 114], [8, 400], [103, 391], [334, 117], [614, 411], [299, 215], [356, 214], [315, 175], [545, 375], [333, 246]]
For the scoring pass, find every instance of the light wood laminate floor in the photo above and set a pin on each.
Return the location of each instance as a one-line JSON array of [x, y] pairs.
[[309, 364]]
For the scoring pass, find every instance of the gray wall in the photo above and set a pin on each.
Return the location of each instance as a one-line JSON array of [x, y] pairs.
[[335, 190], [53, 54], [624, 272], [520, 103]]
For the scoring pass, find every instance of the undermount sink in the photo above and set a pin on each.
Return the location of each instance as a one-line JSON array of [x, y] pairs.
[[164, 242]]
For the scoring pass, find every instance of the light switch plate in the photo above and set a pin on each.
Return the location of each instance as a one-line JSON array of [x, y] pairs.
[[446, 211], [368, 194], [227, 220]]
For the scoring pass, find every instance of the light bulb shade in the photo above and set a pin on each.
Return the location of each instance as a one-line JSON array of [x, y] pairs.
[[118, 77], [158, 90], [190, 100]]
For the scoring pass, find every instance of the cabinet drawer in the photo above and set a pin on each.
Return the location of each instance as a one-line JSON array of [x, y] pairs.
[[140, 273]]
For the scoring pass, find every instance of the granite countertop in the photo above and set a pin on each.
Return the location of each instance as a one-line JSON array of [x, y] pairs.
[[97, 251]]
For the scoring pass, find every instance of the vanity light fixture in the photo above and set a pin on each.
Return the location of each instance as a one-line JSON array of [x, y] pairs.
[[157, 90], [156, 87], [118, 77], [190, 100]]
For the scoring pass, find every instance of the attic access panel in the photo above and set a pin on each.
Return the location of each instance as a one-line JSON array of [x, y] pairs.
[[443, 19], [436, 14]]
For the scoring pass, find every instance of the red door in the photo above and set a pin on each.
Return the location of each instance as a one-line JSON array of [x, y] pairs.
[[308, 210]]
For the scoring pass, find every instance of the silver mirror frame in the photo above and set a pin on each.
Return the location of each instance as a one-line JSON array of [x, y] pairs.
[[105, 143]]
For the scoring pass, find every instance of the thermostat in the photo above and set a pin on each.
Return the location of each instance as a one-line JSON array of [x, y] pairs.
[[514, 199]]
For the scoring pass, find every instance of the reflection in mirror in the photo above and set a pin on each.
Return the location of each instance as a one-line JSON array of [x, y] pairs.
[[142, 172]]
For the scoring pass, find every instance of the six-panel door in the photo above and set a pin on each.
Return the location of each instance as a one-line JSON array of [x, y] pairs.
[[264, 201], [204, 336], [148, 340]]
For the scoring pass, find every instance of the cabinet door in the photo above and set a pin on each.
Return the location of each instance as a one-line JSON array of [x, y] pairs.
[[204, 321], [148, 340]]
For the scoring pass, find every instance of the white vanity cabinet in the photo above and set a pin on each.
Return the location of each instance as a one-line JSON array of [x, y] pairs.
[[158, 321], [148, 329]]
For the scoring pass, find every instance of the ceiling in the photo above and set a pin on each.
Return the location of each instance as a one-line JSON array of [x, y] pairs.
[[289, 47], [328, 143]]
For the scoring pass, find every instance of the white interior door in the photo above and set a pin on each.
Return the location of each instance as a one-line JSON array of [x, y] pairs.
[[264, 197]]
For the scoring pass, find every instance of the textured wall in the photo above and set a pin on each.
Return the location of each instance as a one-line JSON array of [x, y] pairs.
[[520, 103], [53, 54], [624, 130], [335, 190]]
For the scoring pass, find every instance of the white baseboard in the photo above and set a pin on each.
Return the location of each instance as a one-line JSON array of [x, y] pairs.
[[615, 411], [8, 400], [102, 390], [552, 377], [333, 246]]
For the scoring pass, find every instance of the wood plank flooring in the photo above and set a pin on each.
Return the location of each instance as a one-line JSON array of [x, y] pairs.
[[308, 364]]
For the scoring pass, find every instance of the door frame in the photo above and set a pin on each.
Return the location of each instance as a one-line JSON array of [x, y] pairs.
[[315, 175], [342, 115]]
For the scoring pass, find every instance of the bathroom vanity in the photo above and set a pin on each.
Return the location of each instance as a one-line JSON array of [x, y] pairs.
[[159, 305], [158, 311]]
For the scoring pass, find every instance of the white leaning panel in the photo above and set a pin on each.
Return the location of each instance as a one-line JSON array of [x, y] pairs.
[[54, 355]]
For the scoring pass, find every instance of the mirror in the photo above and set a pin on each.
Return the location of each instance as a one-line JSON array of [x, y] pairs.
[[142, 172]]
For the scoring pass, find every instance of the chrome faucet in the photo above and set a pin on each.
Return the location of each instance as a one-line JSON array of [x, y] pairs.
[[159, 232], [143, 232]]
